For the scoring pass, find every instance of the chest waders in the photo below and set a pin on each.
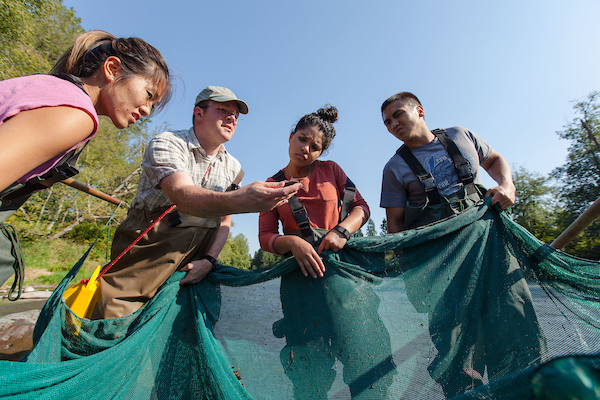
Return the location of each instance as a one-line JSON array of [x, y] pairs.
[[328, 319], [438, 207], [14, 196], [314, 235]]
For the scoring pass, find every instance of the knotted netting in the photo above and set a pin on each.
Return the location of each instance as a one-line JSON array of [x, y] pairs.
[[473, 307]]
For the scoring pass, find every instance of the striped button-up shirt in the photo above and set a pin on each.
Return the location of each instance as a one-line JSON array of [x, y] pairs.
[[180, 151]]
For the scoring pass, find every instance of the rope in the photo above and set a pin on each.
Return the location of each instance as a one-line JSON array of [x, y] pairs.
[[19, 264], [109, 266], [105, 270]]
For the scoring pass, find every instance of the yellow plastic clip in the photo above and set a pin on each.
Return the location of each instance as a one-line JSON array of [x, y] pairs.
[[82, 297]]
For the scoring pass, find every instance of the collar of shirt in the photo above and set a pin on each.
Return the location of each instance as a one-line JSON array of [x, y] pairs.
[[194, 144]]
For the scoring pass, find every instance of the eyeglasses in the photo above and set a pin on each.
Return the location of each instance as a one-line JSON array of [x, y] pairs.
[[227, 113]]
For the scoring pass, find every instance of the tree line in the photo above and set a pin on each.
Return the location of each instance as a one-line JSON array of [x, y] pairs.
[[33, 33]]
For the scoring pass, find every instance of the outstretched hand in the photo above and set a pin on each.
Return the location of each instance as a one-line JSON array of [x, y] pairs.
[[196, 271], [265, 196]]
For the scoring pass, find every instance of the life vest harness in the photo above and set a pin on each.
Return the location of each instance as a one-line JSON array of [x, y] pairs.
[[301, 216], [62, 170], [461, 165]]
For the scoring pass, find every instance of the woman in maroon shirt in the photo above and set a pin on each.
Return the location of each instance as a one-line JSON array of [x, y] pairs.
[[323, 184], [333, 316]]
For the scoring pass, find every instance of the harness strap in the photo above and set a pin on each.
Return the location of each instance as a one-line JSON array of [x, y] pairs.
[[235, 185], [19, 264], [56, 174], [461, 165], [425, 177], [348, 199], [301, 216], [299, 212]]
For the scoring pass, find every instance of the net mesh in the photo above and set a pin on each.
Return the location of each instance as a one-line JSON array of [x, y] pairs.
[[473, 307]]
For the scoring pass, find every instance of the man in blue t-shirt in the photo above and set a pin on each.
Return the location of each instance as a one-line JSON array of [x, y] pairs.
[[404, 117], [433, 176]]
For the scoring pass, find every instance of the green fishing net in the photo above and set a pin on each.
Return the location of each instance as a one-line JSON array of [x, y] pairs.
[[473, 307]]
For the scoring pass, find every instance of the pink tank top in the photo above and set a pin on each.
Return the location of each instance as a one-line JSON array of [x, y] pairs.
[[35, 91]]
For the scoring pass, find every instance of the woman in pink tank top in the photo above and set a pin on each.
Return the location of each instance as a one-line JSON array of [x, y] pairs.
[[42, 117]]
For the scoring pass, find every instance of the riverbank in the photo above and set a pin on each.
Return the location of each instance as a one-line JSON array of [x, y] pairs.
[[18, 318]]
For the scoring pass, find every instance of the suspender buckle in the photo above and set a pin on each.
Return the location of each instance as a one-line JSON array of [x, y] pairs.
[[428, 182]]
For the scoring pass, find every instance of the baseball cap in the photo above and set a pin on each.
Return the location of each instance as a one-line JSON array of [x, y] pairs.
[[221, 95]]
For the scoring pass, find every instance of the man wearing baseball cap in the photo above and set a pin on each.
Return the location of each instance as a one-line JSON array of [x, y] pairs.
[[191, 169]]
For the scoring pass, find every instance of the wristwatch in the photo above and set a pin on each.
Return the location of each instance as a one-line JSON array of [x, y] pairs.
[[343, 231], [212, 260]]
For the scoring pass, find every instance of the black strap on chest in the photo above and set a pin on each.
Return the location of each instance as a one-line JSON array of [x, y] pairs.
[[348, 199], [301, 216], [461, 166], [62, 170], [298, 211], [425, 177]]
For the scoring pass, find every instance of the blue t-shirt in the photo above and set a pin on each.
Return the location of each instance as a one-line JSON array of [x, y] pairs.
[[400, 185]]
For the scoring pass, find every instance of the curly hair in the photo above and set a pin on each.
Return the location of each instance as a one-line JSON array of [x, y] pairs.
[[322, 119]]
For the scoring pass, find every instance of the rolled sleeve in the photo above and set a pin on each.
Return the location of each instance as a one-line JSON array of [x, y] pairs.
[[164, 157]]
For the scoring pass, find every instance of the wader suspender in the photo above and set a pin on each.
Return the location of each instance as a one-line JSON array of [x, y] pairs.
[[63, 170], [299, 212], [348, 199], [460, 165], [301, 216]]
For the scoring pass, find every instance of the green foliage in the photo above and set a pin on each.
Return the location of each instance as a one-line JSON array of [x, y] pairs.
[[383, 226], [535, 207], [236, 252], [47, 262], [370, 227], [579, 177], [87, 232], [33, 34], [358, 233], [264, 258]]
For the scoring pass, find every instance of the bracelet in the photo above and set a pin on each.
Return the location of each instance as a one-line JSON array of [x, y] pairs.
[[212, 260], [343, 231]]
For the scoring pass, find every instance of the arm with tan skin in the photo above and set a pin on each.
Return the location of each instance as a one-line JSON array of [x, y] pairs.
[[308, 258], [395, 219], [194, 200], [335, 240], [198, 269], [33, 137], [497, 167]]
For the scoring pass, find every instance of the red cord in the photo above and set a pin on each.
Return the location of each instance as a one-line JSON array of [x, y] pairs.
[[105, 270]]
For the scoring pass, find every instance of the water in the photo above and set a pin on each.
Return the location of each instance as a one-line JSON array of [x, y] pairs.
[[11, 307]]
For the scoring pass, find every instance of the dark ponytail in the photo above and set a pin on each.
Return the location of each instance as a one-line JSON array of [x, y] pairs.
[[137, 57]]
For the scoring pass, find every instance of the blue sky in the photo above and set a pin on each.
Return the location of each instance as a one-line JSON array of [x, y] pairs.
[[507, 70]]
